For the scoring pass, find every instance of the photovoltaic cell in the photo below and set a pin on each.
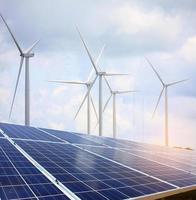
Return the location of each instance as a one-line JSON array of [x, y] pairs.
[[88, 175], [24, 132], [19, 179], [71, 138]]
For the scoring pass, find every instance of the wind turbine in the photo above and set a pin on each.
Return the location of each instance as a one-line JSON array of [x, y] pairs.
[[25, 55], [100, 74], [87, 83], [164, 88], [113, 94]]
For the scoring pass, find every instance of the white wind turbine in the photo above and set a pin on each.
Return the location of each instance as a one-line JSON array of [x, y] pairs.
[[89, 97], [113, 94], [101, 74], [24, 55], [164, 88]]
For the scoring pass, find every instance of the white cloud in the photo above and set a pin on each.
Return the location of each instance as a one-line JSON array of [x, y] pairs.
[[132, 19], [188, 49]]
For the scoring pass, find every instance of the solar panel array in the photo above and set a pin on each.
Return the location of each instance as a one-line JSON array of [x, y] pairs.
[[89, 167]]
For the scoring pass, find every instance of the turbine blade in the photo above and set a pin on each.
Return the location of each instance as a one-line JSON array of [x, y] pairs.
[[16, 43], [17, 81], [96, 62], [100, 54], [108, 100], [31, 47], [127, 91], [89, 55], [106, 104], [159, 77], [90, 75], [176, 82], [107, 84], [115, 74], [158, 102], [95, 111], [89, 89], [68, 82]]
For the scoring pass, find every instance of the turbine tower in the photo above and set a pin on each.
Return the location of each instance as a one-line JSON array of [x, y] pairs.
[[164, 89], [25, 55], [101, 74], [113, 94]]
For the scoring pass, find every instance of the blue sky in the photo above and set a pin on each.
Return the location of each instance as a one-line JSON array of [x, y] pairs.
[[162, 30]]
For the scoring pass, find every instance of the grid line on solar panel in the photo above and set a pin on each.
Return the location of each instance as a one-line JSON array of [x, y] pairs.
[[13, 177], [70, 137], [144, 150], [66, 160], [145, 159], [24, 132], [187, 166], [160, 171], [17, 171]]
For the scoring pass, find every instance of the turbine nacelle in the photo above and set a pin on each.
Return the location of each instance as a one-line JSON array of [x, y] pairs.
[[27, 55]]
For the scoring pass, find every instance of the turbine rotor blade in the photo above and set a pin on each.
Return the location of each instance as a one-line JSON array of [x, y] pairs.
[[159, 77], [106, 104], [31, 47], [176, 82], [16, 43], [100, 54], [115, 74], [17, 81], [96, 62], [95, 111], [128, 91], [89, 89], [104, 108], [158, 102], [68, 82], [107, 84], [87, 50]]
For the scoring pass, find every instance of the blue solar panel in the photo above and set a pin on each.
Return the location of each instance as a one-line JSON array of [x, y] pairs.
[[155, 169], [177, 158], [71, 137], [20, 179], [79, 170], [95, 167], [1, 135], [23, 132]]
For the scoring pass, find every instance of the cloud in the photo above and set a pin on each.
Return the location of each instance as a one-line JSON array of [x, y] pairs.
[[188, 49]]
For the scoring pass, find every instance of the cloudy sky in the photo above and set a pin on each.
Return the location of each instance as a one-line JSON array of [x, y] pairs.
[[162, 30]]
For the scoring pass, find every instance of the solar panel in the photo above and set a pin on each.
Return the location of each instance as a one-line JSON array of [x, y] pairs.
[[20, 179], [94, 167], [85, 173], [71, 138], [156, 169], [177, 158], [23, 132]]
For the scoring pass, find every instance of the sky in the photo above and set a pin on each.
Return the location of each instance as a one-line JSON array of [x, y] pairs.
[[162, 30]]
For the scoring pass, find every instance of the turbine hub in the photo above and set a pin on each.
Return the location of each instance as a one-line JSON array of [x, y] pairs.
[[102, 73]]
